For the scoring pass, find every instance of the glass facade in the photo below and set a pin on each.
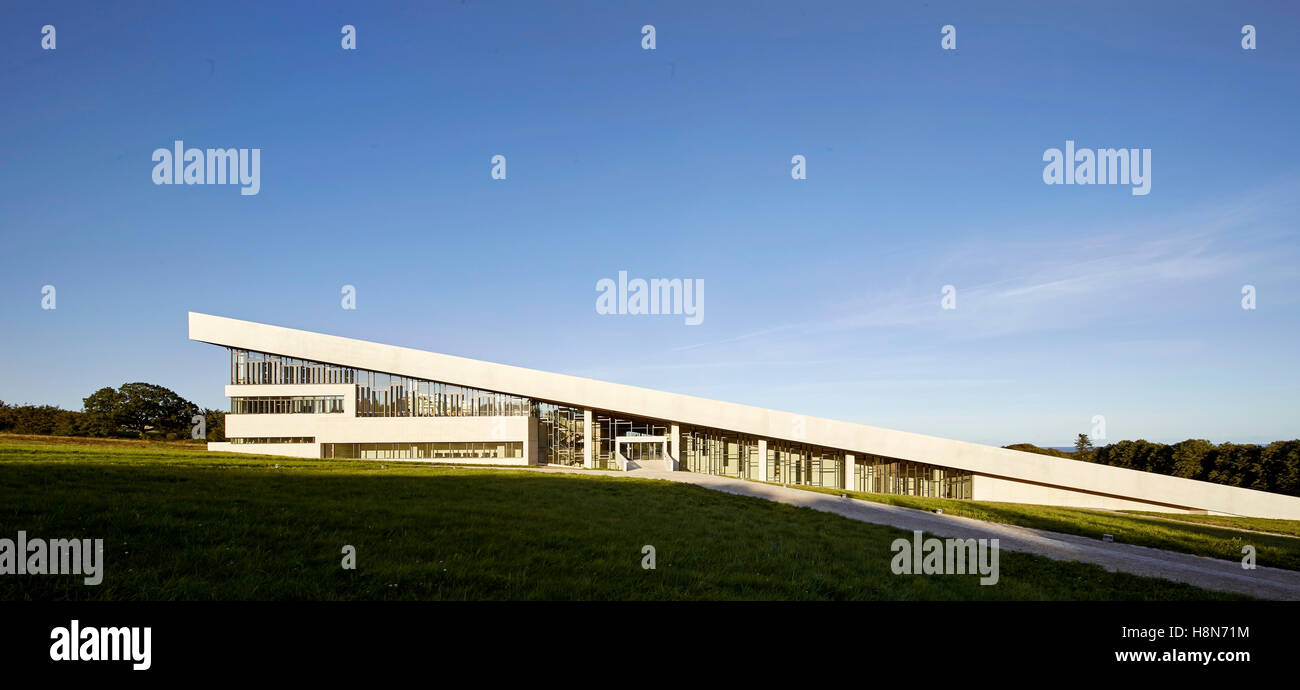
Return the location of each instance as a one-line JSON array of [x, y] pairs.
[[799, 463], [259, 368], [559, 435], [878, 475], [607, 427], [388, 395], [378, 394], [309, 404], [638, 451], [711, 451], [561, 431], [466, 450]]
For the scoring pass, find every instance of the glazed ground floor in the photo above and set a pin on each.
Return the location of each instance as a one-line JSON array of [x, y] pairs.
[[558, 436]]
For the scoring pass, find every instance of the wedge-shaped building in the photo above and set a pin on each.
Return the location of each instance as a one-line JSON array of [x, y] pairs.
[[310, 395]]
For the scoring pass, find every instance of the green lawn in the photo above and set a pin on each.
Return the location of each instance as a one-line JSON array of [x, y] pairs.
[[1203, 535], [1291, 527], [183, 524]]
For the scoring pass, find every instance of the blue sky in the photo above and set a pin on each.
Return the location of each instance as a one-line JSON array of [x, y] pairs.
[[924, 169]]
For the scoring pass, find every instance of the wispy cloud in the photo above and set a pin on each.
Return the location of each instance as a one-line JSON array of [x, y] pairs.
[[1070, 284]]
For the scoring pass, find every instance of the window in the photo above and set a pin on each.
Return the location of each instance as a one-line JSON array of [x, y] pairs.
[[471, 450], [314, 404], [378, 394]]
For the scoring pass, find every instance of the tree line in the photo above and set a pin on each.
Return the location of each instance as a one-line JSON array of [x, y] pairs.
[[1274, 467], [145, 410], [140, 410]]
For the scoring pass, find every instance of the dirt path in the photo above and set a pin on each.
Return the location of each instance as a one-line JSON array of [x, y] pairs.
[[1200, 571]]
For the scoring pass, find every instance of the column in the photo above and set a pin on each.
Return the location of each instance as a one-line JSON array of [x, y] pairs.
[[848, 472], [588, 452], [675, 448], [762, 459]]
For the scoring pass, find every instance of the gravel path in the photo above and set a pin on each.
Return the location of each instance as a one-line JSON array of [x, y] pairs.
[[1199, 571]]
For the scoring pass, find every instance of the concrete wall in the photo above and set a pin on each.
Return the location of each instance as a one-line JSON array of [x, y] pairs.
[[1028, 468], [985, 488], [288, 450]]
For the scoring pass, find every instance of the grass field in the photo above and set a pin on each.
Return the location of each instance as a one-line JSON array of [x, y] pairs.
[[1203, 535], [182, 524], [1279, 527]]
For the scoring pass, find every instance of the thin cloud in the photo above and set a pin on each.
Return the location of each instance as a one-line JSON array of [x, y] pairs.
[[1063, 290]]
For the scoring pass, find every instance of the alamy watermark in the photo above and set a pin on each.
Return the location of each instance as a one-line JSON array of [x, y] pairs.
[[180, 165], [936, 556], [1098, 427], [949, 40], [37, 556], [1100, 166], [75, 643], [663, 296], [948, 300]]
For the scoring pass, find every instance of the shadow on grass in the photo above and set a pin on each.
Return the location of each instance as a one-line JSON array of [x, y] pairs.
[[242, 531]]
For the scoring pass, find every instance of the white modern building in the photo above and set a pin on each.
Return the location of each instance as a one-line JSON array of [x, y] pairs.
[[310, 395]]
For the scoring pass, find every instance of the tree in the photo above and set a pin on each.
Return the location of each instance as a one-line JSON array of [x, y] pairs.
[[139, 407], [41, 419], [1238, 465], [1083, 444], [216, 422], [1031, 448], [1286, 454], [1147, 456], [102, 411], [1189, 458]]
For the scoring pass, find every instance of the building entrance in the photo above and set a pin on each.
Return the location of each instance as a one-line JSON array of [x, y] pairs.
[[642, 452]]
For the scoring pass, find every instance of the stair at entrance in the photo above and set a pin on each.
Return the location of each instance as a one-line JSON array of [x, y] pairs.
[[649, 466]]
